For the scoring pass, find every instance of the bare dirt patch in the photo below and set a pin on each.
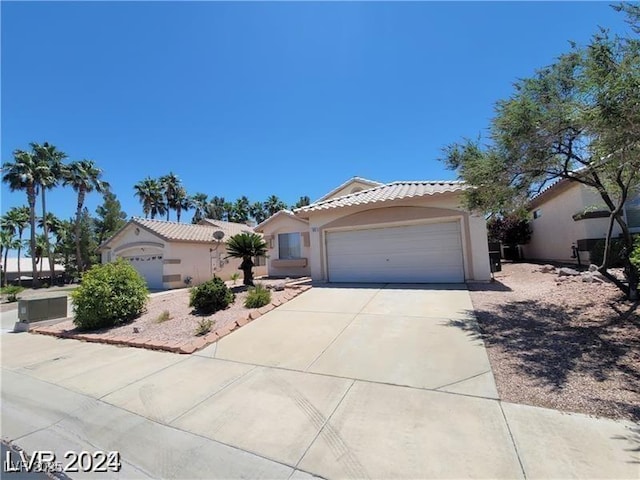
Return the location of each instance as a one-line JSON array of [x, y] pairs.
[[169, 318], [562, 344]]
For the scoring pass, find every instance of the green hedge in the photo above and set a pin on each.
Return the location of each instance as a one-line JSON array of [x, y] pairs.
[[109, 294]]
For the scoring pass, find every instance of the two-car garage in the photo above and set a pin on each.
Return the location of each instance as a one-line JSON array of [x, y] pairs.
[[424, 253]]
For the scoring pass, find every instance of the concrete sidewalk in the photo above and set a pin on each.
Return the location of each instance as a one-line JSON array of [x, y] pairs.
[[373, 382]]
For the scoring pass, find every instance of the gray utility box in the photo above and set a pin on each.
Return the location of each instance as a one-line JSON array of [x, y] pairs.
[[37, 309]]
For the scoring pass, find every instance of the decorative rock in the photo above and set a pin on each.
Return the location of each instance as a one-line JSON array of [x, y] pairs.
[[547, 269], [567, 272], [241, 321], [265, 309], [593, 268], [255, 314], [278, 286], [136, 330]]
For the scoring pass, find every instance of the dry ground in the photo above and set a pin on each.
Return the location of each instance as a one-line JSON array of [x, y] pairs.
[[183, 320], [567, 344]]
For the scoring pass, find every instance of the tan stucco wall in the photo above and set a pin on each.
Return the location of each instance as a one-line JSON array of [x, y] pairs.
[[421, 210], [195, 259], [285, 224], [555, 231]]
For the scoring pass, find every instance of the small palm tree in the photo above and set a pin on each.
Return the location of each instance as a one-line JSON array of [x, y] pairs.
[[7, 242], [22, 174], [17, 219], [84, 177], [246, 246]]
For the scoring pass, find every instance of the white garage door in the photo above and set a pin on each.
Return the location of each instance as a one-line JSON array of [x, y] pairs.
[[409, 254], [150, 267]]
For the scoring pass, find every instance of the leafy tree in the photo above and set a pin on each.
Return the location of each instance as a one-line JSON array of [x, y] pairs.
[[65, 249], [22, 174], [577, 119], [199, 202], [150, 193], [246, 246], [273, 205], [110, 218], [49, 173], [510, 229], [17, 219], [302, 202], [258, 212], [84, 177]]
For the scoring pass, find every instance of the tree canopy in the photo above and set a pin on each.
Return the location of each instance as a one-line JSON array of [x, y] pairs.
[[577, 119]]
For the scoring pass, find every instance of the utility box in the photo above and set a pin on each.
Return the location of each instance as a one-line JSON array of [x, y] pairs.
[[37, 309]]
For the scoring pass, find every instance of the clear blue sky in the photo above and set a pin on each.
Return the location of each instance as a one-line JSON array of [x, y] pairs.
[[267, 98]]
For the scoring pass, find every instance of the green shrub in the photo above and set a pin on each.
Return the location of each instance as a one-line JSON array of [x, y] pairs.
[[211, 296], [204, 326], [164, 316], [235, 277], [109, 294], [635, 254], [12, 292], [616, 253], [257, 297]]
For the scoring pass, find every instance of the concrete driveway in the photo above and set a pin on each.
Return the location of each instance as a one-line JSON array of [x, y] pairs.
[[348, 382]]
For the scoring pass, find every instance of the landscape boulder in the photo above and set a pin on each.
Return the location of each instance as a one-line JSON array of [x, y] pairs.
[[567, 272]]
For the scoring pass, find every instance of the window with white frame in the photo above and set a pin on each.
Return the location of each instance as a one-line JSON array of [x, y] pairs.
[[632, 213], [289, 245]]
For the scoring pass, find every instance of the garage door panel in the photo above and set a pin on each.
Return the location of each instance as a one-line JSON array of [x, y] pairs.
[[417, 253]]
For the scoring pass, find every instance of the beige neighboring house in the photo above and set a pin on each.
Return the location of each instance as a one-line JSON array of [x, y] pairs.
[[366, 231], [26, 269], [167, 254], [570, 214]]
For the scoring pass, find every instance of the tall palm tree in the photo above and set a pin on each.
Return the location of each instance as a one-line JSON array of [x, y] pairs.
[[170, 185], [149, 192], [22, 174], [17, 218], [241, 210], [258, 212], [246, 246], [84, 177], [273, 205], [181, 202], [49, 160], [216, 208], [228, 213], [302, 202], [199, 202], [7, 242]]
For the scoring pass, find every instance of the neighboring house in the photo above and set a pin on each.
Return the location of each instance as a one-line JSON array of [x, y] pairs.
[[365, 231], [26, 269], [570, 214], [170, 254]]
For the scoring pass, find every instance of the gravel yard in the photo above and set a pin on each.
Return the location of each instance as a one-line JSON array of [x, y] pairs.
[[182, 320], [560, 343]]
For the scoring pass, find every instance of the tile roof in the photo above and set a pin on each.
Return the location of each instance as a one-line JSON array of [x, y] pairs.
[[187, 232], [385, 193], [366, 181], [284, 212], [229, 228]]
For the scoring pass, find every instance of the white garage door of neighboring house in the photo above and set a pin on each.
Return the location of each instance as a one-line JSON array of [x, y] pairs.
[[429, 253], [150, 267]]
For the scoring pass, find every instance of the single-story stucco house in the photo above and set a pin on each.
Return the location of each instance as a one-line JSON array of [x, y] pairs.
[[366, 231], [172, 254], [26, 269], [568, 214]]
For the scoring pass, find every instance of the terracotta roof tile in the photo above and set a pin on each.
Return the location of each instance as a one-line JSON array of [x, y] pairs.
[[385, 193], [187, 232]]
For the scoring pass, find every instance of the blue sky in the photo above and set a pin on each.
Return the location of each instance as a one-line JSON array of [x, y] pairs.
[[276, 98]]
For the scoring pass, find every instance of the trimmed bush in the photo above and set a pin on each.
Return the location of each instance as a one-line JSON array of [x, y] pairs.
[[635, 255], [211, 296], [109, 294], [257, 297]]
